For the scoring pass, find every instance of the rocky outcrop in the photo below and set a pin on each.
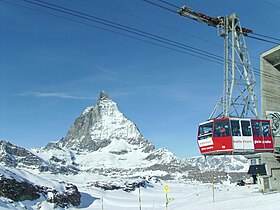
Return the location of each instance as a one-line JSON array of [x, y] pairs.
[[19, 157], [70, 196], [15, 156], [18, 190], [127, 186]]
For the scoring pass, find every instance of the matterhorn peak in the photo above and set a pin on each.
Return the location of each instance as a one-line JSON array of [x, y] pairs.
[[100, 125], [103, 96]]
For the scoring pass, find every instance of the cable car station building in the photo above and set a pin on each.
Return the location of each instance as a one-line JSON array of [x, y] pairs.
[[267, 165], [270, 91]]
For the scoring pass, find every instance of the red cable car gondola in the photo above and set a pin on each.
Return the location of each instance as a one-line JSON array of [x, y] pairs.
[[234, 136], [223, 133]]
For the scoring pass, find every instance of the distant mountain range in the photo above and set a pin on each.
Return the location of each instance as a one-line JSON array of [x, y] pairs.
[[102, 142]]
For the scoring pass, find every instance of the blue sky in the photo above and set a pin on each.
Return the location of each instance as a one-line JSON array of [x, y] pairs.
[[51, 68]]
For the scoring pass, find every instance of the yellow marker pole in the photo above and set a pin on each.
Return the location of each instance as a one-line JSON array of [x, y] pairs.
[[166, 202], [166, 190], [139, 198], [213, 188], [102, 203], [260, 184]]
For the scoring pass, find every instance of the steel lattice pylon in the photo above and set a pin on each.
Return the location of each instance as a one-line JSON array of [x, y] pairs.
[[239, 97]]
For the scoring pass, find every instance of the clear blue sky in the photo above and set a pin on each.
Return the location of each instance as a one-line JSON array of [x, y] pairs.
[[51, 68]]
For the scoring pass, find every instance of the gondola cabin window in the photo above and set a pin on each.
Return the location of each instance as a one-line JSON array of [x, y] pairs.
[[205, 131], [266, 129], [221, 128], [246, 128], [235, 128], [257, 128]]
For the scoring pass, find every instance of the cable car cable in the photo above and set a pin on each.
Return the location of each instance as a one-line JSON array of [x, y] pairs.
[[266, 36], [170, 10], [264, 40], [207, 53], [172, 28], [128, 29], [216, 60], [173, 5], [213, 60], [125, 12], [271, 4], [246, 35]]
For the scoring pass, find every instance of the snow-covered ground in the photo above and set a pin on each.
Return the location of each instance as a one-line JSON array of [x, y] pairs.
[[187, 195]]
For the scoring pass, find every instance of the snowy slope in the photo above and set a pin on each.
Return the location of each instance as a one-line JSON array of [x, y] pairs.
[[183, 195], [24, 188]]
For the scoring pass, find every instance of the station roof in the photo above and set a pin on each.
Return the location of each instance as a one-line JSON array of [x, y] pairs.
[[273, 57]]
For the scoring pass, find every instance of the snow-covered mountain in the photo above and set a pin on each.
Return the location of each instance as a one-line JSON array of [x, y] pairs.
[[102, 125], [227, 163], [102, 140], [103, 146]]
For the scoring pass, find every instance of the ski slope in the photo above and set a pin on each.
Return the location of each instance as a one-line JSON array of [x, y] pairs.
[[188, 195]]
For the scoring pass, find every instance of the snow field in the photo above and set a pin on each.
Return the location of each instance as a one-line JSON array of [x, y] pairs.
[[194, 196], [190, 195]]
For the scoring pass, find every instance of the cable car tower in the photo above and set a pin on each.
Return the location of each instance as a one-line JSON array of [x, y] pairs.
[[239, 98], [229, 129]]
